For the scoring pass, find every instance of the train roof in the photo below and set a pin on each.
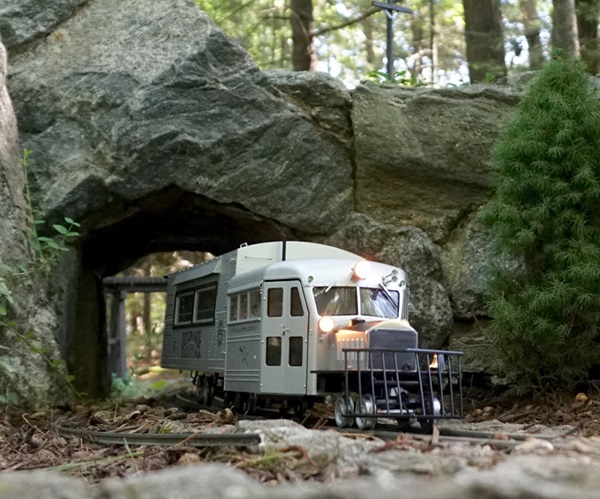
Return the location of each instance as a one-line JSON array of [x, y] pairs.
[[250, 257], [316, 272]]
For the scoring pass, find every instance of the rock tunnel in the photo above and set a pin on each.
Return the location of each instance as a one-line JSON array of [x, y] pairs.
[[160, 139], [170, 138], [169, 220]]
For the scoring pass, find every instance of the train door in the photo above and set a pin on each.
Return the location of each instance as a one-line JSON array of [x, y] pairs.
[[284, 339]]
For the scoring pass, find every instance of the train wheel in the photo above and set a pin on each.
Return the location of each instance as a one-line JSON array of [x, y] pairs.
[[206, 391], [366, 406], [343, 407], [252, 403], [240, 403], [432, 406], [404, 424], [300, 408]]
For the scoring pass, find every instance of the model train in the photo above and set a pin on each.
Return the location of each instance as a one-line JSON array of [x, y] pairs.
[[289, 323]]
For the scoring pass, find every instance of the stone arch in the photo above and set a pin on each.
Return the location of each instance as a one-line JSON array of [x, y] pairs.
[[156, 131], [171, 219]]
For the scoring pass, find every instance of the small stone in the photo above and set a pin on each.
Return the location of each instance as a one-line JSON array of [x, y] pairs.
[[536, 445], [188, 458]]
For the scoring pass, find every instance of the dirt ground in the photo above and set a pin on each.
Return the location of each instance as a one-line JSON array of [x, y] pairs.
[[29, 442]]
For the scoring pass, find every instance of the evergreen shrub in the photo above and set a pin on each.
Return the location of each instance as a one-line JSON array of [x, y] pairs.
[[546, 212]]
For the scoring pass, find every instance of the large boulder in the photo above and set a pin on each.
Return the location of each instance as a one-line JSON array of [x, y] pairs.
[[468, 259], [30, 369], [324, 98], [412, 250], [156, 131], [422, 155], [119, 108]]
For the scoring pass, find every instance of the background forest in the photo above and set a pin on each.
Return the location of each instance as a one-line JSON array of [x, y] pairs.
[[443, 42]]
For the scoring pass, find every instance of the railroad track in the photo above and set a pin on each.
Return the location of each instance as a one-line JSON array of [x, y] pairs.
[[197, 439], [386, 432]]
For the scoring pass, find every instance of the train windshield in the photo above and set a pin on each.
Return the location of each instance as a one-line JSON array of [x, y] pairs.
[[336, 300], [374, 302], [378, 302]]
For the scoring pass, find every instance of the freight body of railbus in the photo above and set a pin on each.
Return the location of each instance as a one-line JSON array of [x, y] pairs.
[[287, 323]]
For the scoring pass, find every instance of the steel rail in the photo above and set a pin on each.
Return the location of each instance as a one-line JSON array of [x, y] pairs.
[[391, 431], [488, 435], [472, 437], [165, 439]]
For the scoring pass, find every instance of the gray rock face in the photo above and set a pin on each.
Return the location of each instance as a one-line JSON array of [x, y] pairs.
[[12, 202], [24, 20], [23, 372], [422, 155], [155, 132], [118, 108], [325, 98], [412, 250], [467, 259]]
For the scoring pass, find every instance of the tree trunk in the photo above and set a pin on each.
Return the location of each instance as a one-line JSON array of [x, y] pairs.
[[433, 46], [532, 23], [417, 27], [564, 27], [367, 28], [147, 314], [588, 12], [303, 53], [484, 39]]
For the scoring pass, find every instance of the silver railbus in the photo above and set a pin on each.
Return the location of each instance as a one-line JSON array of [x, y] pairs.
[[286, 324]]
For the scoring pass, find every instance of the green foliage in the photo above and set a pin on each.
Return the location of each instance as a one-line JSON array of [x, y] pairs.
[[545, 327], [131, 386], [45, 250], [403, 78]]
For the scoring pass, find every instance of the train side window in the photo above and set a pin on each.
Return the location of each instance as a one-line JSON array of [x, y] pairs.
[[254, 304], [273, 357], [295, 357], [184, 308], [275, 302], [243, 306], [233, 308], [206, 300], [296, 309]]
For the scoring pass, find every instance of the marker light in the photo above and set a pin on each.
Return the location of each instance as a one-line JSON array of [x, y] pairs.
[[361, 270], [434, 362], [326, 324], [438, 362]]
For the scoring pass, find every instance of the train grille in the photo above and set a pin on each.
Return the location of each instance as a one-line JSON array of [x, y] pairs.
[[349, 343], [393, 339]]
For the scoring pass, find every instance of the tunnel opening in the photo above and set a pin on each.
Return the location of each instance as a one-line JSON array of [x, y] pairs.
[[135, 309], [168, 221]]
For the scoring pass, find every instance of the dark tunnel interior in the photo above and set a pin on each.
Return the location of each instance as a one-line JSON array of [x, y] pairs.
[[170, 220]]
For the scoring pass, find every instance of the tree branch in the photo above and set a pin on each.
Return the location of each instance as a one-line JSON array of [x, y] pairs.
[[347, 23]]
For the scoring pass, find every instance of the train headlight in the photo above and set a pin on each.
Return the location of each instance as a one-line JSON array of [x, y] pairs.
[[361, 270], [326, 324]]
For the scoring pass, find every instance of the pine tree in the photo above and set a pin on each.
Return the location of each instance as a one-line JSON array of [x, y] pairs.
[[546, 211]]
